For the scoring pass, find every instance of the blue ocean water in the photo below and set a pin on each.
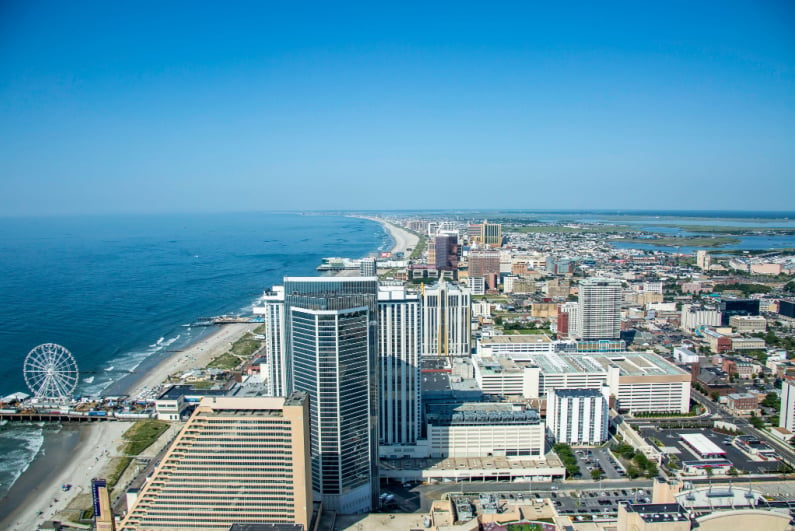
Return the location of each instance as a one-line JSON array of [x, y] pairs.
[[116, 290]]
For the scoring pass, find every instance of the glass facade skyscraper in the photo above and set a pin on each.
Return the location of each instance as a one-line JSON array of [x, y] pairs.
[[330, 338]]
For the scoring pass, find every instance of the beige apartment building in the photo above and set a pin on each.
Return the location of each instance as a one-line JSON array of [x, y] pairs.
[[745, 324], [237, 460]]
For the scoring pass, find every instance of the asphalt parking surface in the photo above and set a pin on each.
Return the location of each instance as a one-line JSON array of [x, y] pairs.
[[589, 459], [738, 458]]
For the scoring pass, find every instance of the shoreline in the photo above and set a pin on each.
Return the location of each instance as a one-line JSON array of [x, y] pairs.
[[79, 452], [69, 452], [65, 457], [402, 238]]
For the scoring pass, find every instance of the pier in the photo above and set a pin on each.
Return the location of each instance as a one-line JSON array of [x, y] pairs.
[[222, 320], [36, 416]]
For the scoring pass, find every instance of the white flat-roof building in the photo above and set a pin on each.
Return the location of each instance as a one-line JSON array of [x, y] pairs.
[[748, 323], [639, 381], [694, 316], [481, 429], [685, 355], [705, 448], [515, 345]]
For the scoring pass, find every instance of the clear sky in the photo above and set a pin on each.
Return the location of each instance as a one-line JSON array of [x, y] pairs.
[[224, 106]]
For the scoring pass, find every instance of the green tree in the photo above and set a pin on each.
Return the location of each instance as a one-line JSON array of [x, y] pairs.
[[756, 422], [733, 472], [632, 472], [772, 400], [596, 474]]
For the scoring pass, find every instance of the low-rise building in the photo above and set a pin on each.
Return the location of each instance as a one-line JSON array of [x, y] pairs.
[[638, 381], [480, 429], [742, 403], [747, 343], [746, 324]]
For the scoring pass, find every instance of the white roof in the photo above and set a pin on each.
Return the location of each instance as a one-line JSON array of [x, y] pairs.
[[16, 396], [701, 444]]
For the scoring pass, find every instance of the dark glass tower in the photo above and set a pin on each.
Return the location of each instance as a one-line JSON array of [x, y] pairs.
[[330, 341]]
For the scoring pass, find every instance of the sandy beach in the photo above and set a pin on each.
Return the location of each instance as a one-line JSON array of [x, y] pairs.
[[79, 453], [404, 239], [196, 355], [74, 456]]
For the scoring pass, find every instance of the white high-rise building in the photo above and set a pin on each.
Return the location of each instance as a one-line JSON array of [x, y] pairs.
[[477, 285], [787, 418], [446, 320], [694, 316], [572, 309], [703, 260], [273, 315], [578, 416], [600, 308], [399, 341]]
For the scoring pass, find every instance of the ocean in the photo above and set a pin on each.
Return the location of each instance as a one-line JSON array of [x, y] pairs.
[[118, 290]]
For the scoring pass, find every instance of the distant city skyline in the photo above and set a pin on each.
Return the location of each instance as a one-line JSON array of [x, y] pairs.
[[156, 108]]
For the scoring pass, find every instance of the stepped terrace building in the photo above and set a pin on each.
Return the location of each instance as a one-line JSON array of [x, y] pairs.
[[236, 460], [638, 381]]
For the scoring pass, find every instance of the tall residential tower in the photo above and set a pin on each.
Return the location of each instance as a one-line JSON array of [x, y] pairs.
[[600, 308]]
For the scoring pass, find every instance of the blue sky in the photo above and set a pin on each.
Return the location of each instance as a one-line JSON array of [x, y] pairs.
[[227, 106]]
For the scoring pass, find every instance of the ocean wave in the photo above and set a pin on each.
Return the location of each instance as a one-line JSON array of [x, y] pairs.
[[19, 446], [128, 363]]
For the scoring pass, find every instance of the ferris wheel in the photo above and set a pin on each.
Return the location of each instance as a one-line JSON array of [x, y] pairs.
[[51, 372]]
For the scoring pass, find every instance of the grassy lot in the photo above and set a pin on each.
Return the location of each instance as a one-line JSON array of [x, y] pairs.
[[690, 241], [709, 229], [587, 229], [142, 434], [246, 346], [225, 362], [490, 298], [137, 439], [420, 247]]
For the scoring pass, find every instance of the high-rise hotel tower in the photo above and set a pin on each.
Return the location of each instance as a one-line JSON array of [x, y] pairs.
[[399, 341], [330, 343], [237, 460], [446, 319]]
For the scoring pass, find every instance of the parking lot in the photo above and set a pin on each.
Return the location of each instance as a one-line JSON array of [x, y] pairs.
[[589, 459], [598, 502], [742, 462]]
